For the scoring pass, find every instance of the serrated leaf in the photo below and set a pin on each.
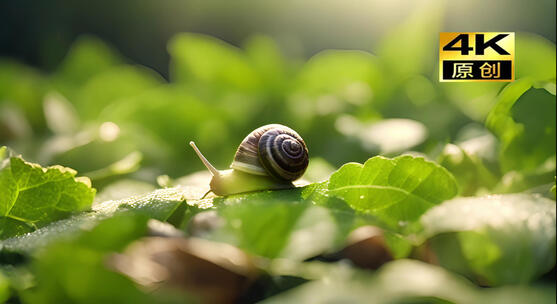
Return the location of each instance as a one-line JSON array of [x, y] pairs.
[[33, 196], [498, 239], [396, 190]]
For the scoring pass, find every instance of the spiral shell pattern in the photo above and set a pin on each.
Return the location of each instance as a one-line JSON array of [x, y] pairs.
[[273, 150]]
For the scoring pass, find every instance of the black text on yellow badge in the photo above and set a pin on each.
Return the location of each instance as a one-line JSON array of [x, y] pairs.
[[479, 56]]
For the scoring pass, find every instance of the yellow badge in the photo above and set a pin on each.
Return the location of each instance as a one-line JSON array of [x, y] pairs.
[[486, 56]]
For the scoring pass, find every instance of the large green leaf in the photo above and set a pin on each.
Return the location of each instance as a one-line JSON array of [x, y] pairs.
[[293, 224], [498, 239], [260, 223], [396, 190], [33, 196]]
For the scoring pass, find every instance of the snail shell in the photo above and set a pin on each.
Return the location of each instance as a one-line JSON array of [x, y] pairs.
[[272, 150]]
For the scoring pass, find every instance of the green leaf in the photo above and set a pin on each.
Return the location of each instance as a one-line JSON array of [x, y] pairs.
[[122, 189], [210, 61], [396, 190], [499, 120], [524, 121], [33, 196], [260, 223], [293, 224], [498, 239], [159, 204]]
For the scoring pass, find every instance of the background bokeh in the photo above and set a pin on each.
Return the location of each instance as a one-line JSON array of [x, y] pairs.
[[40, 33], [116, 89]]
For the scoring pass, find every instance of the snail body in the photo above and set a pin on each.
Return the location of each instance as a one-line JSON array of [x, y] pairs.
[[270, 157]]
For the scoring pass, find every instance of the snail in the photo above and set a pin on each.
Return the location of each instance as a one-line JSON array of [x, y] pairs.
[[269, 158]]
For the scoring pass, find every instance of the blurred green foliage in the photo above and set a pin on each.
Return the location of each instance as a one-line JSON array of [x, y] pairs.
[[97, 108], [404, 281], [481, 237], [126, 128]]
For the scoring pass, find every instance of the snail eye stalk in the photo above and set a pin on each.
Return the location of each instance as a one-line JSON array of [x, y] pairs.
[[207, 164]]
